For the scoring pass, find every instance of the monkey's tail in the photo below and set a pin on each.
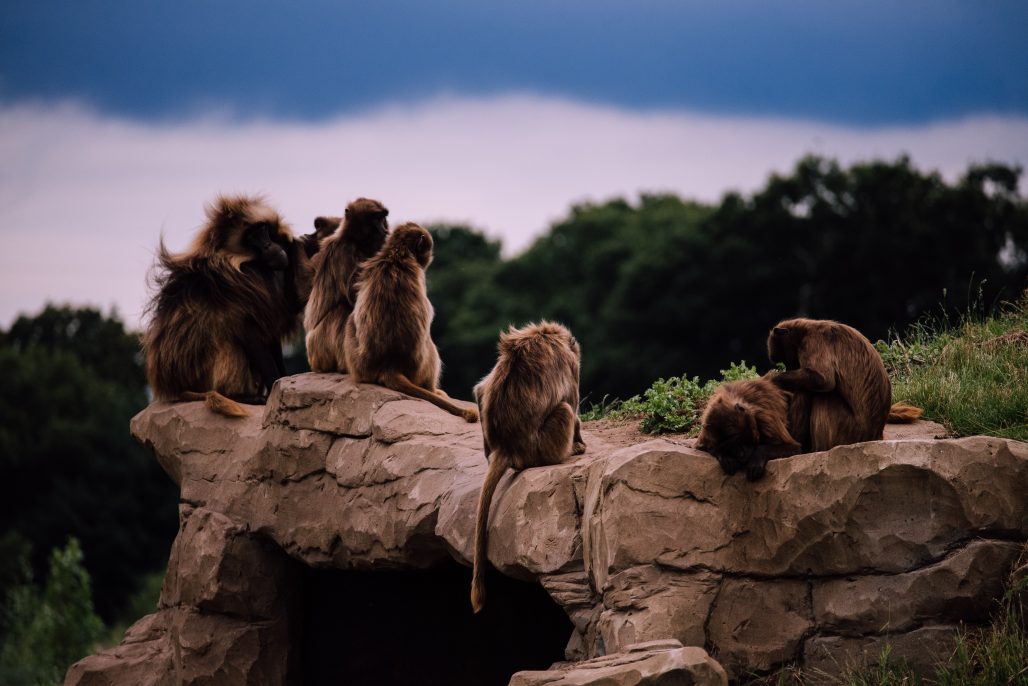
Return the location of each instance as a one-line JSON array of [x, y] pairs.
[[497, 466], [902, 413], [218, 403]]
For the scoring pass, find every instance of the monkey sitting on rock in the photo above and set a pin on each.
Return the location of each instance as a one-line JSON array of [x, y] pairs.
[[224, 305], [835, 391], [388, 339], [529, 409]]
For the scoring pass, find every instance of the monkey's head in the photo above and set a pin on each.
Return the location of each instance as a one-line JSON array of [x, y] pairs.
[[729, 431], [245, 229], [326, 226], [366, 222], [410, 240], [783, 344]]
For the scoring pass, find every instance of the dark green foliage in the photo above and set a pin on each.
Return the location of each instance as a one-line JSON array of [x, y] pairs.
[[46, 630], [72, 380], [666, 285]]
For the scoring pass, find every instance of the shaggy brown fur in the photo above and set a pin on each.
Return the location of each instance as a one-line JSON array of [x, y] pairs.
[[529, 407], [387, 337], [850, 390], [747, 423], [223, 306], [337, 268]]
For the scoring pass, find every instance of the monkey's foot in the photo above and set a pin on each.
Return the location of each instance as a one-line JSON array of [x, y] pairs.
[[578, 447], [470, 415]]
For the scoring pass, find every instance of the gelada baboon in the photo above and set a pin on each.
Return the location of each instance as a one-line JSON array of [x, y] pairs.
[[336, 270], [387, 336], [850, 392], [223, 306], [529, 408], [746, 423]]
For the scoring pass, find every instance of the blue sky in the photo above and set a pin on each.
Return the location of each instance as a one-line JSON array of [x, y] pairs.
[[874, 62], [119, 119]]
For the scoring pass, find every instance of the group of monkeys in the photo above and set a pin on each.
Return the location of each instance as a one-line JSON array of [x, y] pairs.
[[222, 308]]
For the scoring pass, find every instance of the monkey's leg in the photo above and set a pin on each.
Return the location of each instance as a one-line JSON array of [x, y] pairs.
[[399, 382], [280, 361], [578, 443], [804, 379], [555, 437]]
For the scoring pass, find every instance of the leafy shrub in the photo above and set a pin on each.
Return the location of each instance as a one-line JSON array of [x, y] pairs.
[[672, 405]]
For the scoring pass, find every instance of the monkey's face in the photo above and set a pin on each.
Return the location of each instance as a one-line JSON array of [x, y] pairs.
[[727, 434], [263, 239]]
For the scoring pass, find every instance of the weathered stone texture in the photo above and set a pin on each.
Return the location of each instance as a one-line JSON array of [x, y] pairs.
[[830, 556]]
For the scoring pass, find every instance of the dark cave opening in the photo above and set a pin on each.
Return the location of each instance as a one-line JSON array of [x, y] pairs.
[[417, 627]]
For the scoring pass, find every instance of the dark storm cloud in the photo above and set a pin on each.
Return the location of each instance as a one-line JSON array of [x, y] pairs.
[[871, 62]]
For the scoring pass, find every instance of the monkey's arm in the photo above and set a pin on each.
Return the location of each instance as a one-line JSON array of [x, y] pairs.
[[261, 356], [764, 452], [805, 379], [485, 438], [310, 243]]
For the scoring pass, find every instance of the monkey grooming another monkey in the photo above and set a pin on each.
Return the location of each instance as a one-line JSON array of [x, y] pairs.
[[388, 339], [850, 391], [746, 423], [529, 408], [223, 306], [336, 270]]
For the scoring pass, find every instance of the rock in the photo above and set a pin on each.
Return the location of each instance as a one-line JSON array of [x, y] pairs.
[[922, 649], [640, 539], [657, 663]]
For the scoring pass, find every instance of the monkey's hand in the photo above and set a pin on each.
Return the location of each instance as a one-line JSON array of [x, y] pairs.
[[578, 447], [755, 468], [470, 415]]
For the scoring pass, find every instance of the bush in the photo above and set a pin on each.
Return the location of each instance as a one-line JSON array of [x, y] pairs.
[[46, 631], [672, 405]]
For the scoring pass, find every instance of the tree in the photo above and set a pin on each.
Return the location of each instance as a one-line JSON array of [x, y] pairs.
[[68, 466], [46, 631]]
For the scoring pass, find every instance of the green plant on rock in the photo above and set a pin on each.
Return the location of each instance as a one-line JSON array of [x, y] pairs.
[[671, 405]]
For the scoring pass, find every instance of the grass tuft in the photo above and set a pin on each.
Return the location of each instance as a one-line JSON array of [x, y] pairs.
[[972, 377]]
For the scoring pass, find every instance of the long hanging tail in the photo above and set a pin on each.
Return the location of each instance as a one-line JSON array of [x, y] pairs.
[[497, 466], [218, 403], [902, 413]]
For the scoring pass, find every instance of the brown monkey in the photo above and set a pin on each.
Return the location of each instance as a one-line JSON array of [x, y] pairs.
[[387, 336], [336, 269], [223, 307], [850, 391], [746, 423], [529, 408]]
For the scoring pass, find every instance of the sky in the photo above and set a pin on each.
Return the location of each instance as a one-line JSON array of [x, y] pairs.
[[120, 119]]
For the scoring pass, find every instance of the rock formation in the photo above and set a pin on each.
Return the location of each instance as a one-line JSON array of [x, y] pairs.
[[827, 559]]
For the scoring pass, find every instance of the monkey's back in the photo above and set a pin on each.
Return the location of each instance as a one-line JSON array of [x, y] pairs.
[[521, 391], [391, 319], [198, 314], [863, 390]]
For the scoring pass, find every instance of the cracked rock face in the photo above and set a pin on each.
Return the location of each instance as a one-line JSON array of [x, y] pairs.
[[821, 563]]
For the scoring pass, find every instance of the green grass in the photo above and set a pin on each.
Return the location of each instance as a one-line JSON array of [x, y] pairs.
[[972, 377], [672, 405]]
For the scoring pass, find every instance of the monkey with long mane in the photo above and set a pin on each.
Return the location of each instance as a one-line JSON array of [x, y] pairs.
[[223, 306]]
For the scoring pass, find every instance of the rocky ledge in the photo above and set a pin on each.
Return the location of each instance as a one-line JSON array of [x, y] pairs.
[[822, 563]]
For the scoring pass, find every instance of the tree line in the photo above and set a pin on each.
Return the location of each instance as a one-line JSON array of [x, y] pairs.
[[660, 287]]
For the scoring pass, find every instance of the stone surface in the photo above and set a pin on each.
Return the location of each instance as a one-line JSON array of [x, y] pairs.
[[657, 663], [639, 539]]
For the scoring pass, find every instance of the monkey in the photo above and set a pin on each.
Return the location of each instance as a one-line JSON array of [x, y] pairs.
[[388, 339], [746, 423], [850, 392], [336, 268], [529, 409], [222, 307]]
